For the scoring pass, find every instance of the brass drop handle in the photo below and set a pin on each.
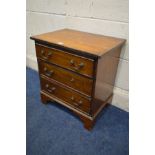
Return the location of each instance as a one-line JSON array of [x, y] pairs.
[[47, 85], [81, 64], [43, 54], [49, 53], [78, 104], [72, 62], [72, 80], [51, 90], [48, 73], [75, 103], [72, 98], [78, 66]]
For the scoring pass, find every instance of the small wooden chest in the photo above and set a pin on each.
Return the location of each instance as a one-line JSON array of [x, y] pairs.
[[78, 69]]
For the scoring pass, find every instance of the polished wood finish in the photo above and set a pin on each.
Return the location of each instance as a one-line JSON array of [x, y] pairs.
[[88, 123], [106, 73], [73, 80], [72, 62], [71, 97], [95, 44], [78, 70]]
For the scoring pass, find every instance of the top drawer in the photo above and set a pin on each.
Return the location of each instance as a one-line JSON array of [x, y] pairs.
[[70, 61]]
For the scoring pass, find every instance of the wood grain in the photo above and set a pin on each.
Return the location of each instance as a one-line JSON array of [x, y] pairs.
[[66, 60], [73, 98], [78, 70], [106, 74], [94, 44], [81, 83]]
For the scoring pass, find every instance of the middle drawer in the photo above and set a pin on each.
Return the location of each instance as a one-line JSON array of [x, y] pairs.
[[68, 78]]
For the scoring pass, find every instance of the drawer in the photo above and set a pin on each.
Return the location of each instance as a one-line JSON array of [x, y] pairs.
[[70, 61], [70, 97], [68, 78]]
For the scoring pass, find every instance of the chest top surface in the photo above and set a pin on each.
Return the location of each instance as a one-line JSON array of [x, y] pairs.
[[94, 44]]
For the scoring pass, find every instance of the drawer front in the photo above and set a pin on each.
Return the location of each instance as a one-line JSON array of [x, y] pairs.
[[68, 78], [73, 62], [72, 98]]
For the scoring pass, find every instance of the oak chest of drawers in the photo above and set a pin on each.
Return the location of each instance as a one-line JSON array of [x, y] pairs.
[[78, 69]]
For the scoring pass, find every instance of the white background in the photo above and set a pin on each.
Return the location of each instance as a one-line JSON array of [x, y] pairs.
[[13, 78]]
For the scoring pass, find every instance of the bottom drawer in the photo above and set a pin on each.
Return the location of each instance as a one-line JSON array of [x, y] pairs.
[[69, 96]]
